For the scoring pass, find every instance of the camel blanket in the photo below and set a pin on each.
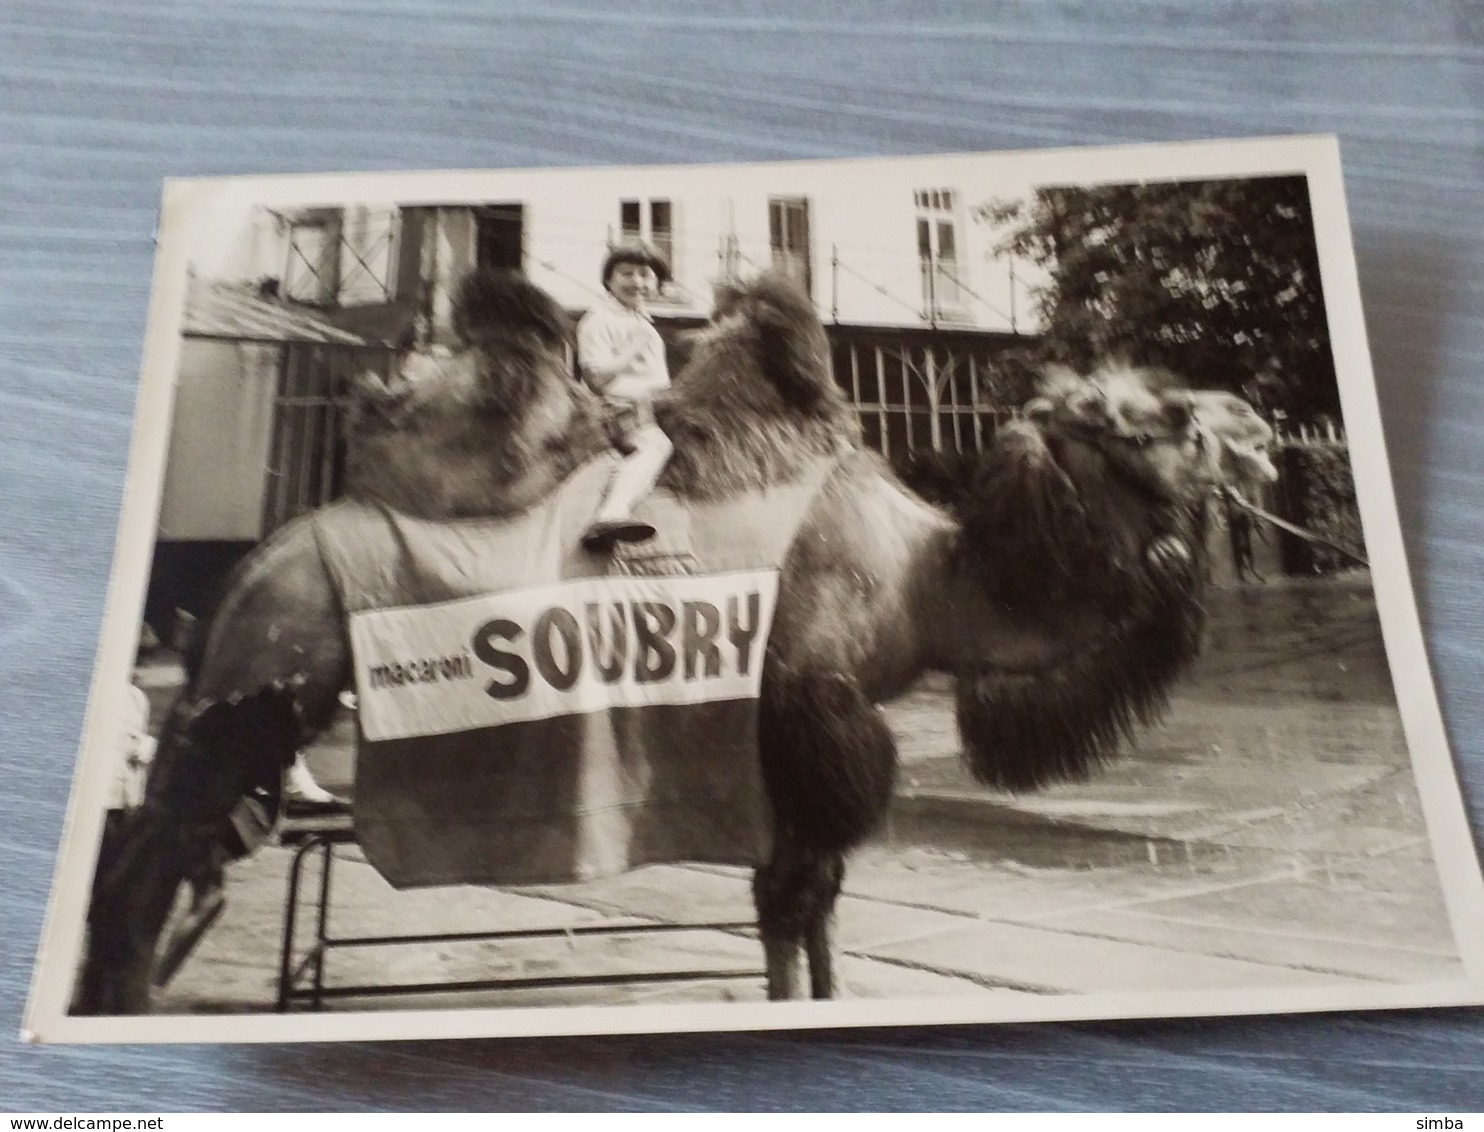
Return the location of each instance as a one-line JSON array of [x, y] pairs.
[[531, 713]]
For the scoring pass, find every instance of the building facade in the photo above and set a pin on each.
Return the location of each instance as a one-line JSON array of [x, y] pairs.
[[288, 305], [919, 303]]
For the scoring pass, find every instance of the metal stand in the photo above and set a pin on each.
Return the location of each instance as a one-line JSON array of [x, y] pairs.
[[310, 968]]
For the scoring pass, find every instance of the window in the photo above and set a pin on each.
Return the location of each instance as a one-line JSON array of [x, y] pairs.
[[312, 274], [651, 220], [306, 461], [499, 236], [369, 237], [937, 253], [788, 235], [341, 257]]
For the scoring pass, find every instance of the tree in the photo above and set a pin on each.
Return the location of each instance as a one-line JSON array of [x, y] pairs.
[[1217, 281]]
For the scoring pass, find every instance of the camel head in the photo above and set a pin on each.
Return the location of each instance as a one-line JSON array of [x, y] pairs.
[[1180, 443], [1102, 472], [1088, 522], [486, 428]]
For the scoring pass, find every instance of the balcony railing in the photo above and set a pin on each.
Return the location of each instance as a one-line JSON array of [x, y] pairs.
[[913, 395]]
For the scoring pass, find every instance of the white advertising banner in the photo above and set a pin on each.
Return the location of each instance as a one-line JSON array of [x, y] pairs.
[[565, 649]]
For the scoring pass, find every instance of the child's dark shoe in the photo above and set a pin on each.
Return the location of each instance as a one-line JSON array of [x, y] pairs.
[[603, 534]]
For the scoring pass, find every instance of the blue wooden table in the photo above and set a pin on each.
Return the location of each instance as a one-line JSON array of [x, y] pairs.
[[103, 100]]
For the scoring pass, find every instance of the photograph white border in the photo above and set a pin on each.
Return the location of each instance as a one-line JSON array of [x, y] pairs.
[[1318, 158]]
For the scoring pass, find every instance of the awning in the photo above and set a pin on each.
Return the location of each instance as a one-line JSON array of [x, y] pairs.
[[236, 312]]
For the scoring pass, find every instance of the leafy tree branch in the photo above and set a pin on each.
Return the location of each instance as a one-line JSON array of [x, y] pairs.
[[1217, 281]]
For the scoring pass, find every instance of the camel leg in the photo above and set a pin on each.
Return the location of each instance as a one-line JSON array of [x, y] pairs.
[[819, 947], [211, 760], [781, 965], [138, 873], [208, 899], [829, 766], [795, 896]]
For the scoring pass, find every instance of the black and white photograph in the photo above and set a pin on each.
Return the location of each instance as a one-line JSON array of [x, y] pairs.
[[833, 593]]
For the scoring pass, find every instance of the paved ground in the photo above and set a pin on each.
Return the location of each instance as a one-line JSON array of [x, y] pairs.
[[1267, 835]]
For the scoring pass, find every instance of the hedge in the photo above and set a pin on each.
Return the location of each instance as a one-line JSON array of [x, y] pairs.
[[1316, 491]]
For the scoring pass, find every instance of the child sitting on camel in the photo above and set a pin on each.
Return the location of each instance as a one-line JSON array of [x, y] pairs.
[[622, 358]]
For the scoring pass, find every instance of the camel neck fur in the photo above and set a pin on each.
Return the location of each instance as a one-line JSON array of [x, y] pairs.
[[1066, 604]]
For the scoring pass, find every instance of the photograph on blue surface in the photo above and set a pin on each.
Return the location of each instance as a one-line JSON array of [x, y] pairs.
[[937, 589]]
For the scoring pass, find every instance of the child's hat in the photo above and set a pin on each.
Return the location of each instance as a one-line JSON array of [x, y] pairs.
[[631, 249]]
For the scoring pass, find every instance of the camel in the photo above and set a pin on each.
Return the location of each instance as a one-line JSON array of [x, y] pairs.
[[1064, 597]]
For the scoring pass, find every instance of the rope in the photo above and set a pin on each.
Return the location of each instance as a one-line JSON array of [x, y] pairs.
[[964, 287], [551, 267], [877, 287], [1283, 524]]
